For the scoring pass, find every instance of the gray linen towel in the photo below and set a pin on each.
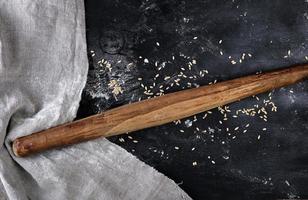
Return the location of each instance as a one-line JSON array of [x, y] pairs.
[[43, 69]]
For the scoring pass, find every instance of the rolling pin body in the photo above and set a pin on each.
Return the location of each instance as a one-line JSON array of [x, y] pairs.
[[157, 111]]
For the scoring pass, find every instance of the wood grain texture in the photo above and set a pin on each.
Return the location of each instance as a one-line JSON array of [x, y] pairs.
[[157, 111]]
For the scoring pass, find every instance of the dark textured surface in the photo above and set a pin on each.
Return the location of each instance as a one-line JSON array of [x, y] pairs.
[[275, 33]]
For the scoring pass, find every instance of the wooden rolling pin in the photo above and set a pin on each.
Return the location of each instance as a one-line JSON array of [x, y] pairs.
[[157, 111]]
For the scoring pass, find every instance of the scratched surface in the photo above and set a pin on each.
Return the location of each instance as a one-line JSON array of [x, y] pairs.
[[231, 153]]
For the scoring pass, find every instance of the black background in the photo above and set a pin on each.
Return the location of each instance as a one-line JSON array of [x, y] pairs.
[[274, 32]]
